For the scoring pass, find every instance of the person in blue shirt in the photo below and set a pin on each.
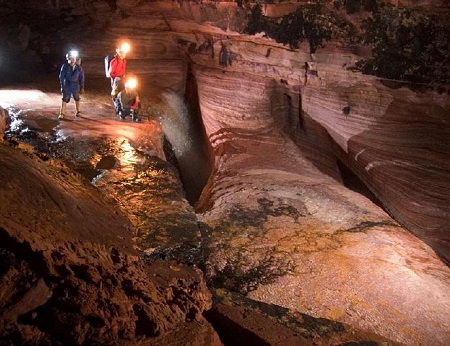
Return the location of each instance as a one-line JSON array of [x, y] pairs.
[[71, 79]]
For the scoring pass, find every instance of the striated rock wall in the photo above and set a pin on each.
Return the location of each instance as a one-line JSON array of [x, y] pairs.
[[282, 232], [396, 140]]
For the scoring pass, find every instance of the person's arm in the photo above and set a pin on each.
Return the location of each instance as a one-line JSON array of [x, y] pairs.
[[81, 79], [112, 68], [135, 102], [121, 100], [62, 76]]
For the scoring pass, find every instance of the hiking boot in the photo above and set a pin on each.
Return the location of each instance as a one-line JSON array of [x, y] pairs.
[[61, 116], [134, 116]]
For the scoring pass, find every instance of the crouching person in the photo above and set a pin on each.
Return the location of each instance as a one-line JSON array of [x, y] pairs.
[[127, 102]]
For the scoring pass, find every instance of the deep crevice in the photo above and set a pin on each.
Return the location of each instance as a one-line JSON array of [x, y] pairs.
[[194, 166], [354, 183], [230, 332]]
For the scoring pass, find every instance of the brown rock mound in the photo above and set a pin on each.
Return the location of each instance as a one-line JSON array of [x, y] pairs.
[[60, 286]]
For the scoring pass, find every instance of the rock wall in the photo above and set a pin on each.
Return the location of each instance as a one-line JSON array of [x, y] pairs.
[[396, 140], [278, 227], [282, 232]]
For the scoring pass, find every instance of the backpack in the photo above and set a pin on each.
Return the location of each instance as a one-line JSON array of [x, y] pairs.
[[108, 59]]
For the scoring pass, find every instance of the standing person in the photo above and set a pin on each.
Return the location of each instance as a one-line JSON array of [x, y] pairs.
[[117, 69], [71, 79]]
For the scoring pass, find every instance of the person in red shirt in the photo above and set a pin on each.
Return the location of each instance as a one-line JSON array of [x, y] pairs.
[[117, 69]]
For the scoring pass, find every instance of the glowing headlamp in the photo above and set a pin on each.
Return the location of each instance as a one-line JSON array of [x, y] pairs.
[[131, 83], [73, 54], [125, 47]]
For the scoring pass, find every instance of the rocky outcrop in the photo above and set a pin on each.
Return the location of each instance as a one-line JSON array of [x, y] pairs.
[[71, 277], [239, 321], [4, 122]]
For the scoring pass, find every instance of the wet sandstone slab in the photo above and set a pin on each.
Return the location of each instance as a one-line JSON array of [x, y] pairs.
[[125, 160]]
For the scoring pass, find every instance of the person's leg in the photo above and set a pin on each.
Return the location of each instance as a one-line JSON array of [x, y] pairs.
[[135, 109], [120, 84], [124, 113], [118, 108], [65, 100], [115, 88], [77, 108], [62, 110], [135, 115], [76, 96]]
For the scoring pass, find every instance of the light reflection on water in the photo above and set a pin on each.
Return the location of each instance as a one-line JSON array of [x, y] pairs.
[[127, 155], [60, 136], [10, 97], [16, 123]]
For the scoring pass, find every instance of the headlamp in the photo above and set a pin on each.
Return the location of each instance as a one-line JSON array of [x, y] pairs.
[[72, 54], [131, 83], [125, 47]]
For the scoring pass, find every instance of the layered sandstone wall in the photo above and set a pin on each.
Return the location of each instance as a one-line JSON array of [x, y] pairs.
[[281, 232], [396, 140]]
